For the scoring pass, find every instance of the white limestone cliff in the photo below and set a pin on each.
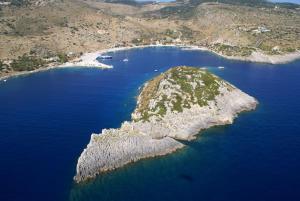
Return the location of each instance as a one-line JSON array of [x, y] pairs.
[[175, 105]]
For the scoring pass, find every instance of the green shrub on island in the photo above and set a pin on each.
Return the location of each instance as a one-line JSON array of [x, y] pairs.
[[172, 33], [136, 41], [63, 58], [289, 49], [229, 50], [1, 65], [27, 63], [18, 3], [176, 89]]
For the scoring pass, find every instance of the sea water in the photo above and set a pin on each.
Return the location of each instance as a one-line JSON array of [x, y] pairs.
[[46, 120]]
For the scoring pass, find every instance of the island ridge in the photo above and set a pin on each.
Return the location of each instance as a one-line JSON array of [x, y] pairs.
[[174, 106]]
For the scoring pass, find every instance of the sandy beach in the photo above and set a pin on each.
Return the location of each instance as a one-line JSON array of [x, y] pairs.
[[89, 59], [258, 57], [255, 57]]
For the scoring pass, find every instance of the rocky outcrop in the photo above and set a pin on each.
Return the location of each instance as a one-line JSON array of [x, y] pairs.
[[174, 106]]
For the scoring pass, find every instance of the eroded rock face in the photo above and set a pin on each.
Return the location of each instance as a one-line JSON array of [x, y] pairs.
[[174, 106]]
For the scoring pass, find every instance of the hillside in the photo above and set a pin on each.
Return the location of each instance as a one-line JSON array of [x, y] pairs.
[[175, 90], [49, 31]]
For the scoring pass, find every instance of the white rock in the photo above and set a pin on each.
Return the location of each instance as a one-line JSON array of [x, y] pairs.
[[114, 148]]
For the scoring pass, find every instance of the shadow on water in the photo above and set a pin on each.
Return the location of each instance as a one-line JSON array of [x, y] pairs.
[[171, 167], [186, 177], [146, 170], [46, 119], [143, 171]]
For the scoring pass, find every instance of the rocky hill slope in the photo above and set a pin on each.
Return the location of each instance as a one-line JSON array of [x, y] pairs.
[[38, 32], [173, 106]]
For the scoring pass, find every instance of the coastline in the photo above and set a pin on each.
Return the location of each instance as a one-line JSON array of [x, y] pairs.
[[74, 63], [89, 59], [256, 57], [21, 73], [161, 135]]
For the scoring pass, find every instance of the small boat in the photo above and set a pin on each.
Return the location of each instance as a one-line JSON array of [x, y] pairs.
[[4, 80], [104, 57], [155, 70], [126, 60], [221, 67]]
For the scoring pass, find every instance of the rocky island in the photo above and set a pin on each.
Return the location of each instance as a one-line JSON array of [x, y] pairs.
[[172, 107]]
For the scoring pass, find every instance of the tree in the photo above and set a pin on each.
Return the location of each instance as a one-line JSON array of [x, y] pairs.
[[63, 58], [1, 65]]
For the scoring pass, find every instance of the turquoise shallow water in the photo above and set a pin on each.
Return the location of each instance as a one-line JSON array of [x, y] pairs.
[[46, 120]]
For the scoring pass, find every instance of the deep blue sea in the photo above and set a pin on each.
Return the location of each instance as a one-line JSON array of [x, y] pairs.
[[46, 120]]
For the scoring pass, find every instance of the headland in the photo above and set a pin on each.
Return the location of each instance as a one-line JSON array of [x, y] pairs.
[[174, 106]]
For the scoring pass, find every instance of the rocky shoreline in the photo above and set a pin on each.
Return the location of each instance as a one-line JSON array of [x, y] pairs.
[[88, 59], [257, 57], [160, 133], [84, 61]]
